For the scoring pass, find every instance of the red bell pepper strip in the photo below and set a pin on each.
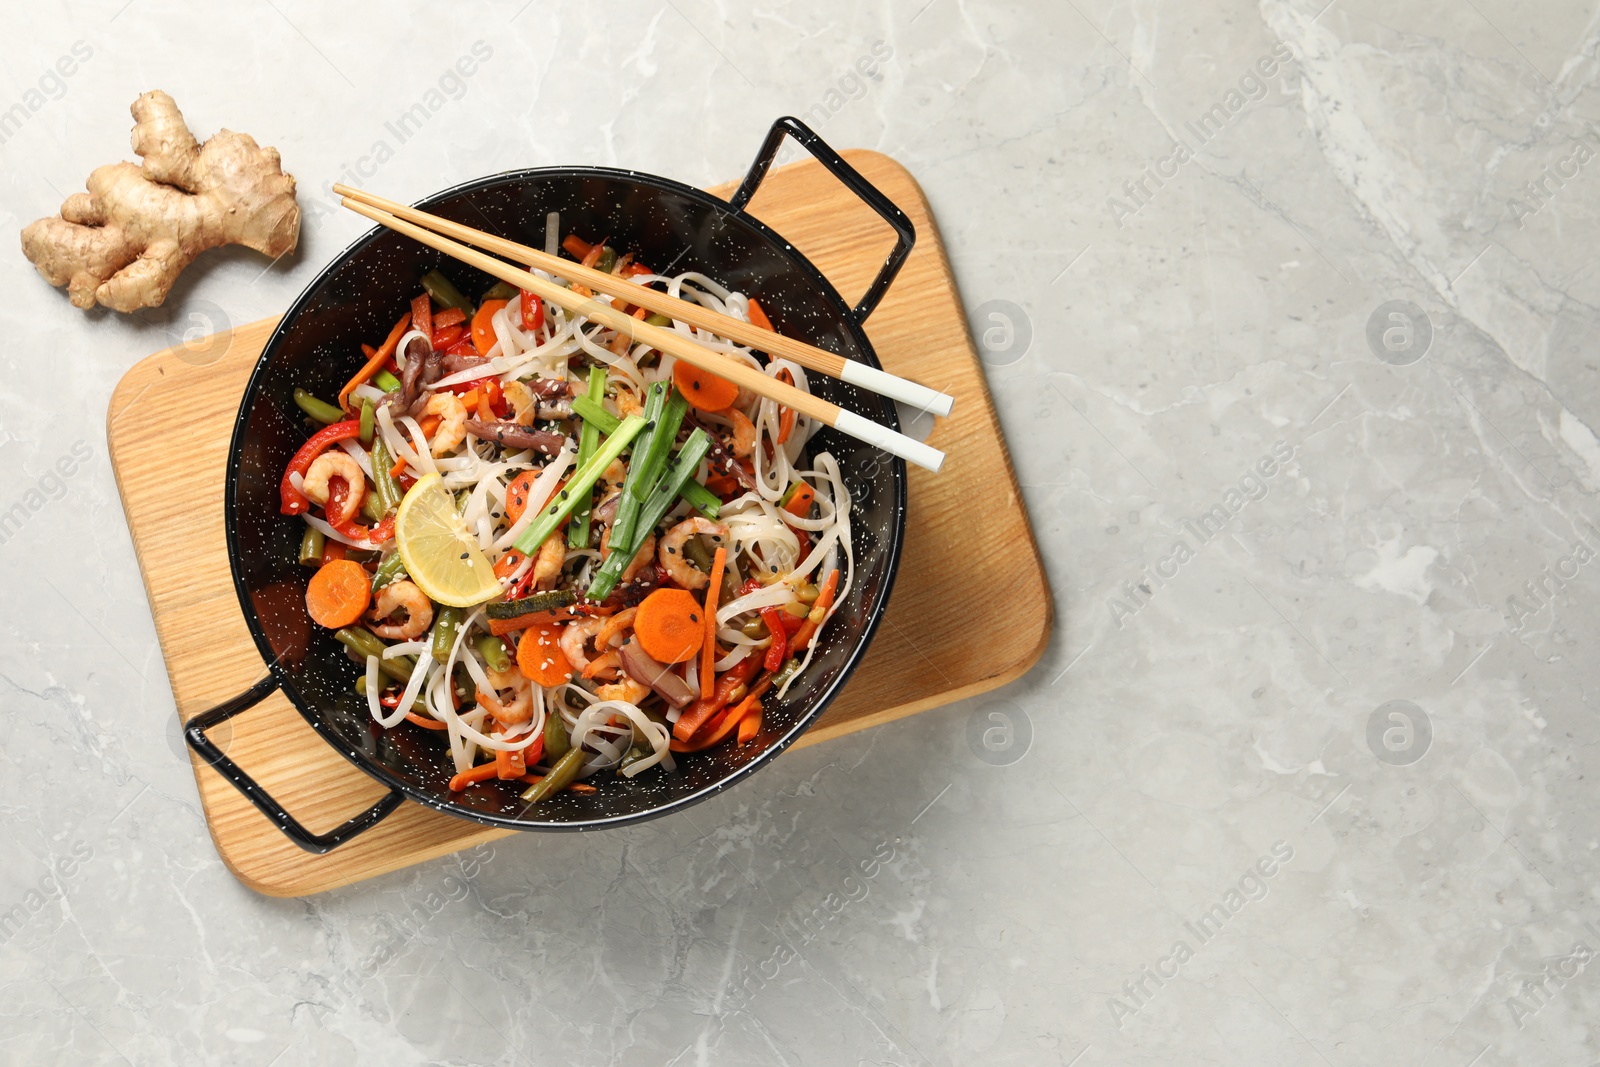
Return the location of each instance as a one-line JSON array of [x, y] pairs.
[[780, 637], [532, 311], [445, 336], [294, 502], [422, 314], [376, 534]]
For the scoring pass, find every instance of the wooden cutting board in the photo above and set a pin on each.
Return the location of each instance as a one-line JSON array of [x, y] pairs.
[[923, 655]]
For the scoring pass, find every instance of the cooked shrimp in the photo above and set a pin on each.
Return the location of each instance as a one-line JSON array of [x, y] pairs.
[[518, 709], [575, 640], [552, 554], [672, 559], [608, 664], [628, 404], [609, 634], [744, 433], [646, 551], [452, 422], [404, 596], [324, 469], [624, 689]]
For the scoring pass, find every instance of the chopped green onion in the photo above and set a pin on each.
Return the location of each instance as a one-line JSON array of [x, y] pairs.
[[580, 483], [592, 412], [588, 441], [701, 499], [652, 511], [386, 381]]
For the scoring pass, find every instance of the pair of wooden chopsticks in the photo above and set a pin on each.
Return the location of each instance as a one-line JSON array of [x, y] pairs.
[[446, 237]]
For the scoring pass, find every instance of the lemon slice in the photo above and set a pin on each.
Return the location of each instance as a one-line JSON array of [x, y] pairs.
[[440, 555]]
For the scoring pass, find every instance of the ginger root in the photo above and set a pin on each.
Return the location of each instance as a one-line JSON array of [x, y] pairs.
[[123, 243]]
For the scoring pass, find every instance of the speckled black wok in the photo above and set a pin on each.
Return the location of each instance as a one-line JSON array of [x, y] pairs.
[[672, 227]]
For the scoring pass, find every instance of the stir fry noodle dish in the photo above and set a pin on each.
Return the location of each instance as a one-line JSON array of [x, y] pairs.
[[563, 550]]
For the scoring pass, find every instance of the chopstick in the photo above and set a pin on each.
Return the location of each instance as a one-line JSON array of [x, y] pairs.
[[670, 342], [774, 344]]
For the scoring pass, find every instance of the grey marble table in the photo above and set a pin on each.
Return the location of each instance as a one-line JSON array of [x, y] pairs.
[[1290, 314]]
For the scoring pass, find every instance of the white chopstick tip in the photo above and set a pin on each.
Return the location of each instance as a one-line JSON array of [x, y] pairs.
[[891, 441], [907, 392]]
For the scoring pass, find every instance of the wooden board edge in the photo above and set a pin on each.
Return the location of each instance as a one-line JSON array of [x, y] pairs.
[[873, 160], [320, 873]]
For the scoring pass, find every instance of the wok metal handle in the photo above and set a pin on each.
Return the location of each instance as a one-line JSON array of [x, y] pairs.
[[195, 734], [905, 235]]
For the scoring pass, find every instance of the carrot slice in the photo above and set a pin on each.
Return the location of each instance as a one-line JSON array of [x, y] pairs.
[[376, 360], [708, 649], [517, 494], [339, 592], [425, 722], [702, 389], [447, 317], [483, 337], [539, 655], [758, 317], [669, 625], [576, 246]]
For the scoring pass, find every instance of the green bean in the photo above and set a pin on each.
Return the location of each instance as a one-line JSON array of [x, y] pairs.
[[445, 625], [781, 679], [371, 507], [696, 553], [388, 492], [364, 643], [607, 260], [754, 628], [368, 417], [362, 555], [563, 774], [312, 545], [443, 292], [807, 592], [500, 291], [320, 410], [655, 318], [493, 651], [391, 568], [556, 741]]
